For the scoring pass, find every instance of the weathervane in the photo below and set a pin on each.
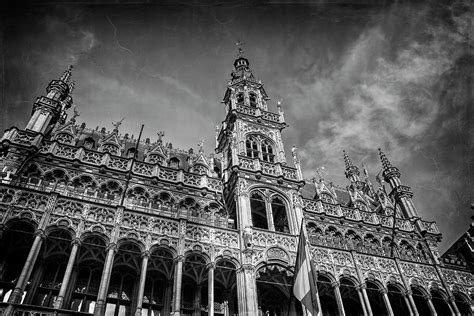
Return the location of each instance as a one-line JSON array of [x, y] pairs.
[[239, 44]]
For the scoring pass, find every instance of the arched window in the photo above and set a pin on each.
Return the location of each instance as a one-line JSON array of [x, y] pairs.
[[259, 211], [258, 147], [280, 220], [253, 100], [174, 163], [274, 208], [89, 143], [240, 99], [267, 151]]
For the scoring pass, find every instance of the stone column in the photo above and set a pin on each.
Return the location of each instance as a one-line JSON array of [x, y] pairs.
[[430, 305], [363, 289], [210, 295], [388, 306], [167, 300], [268, 210], [141, 286], [337, 295], [247, 290], [362, 301], [104, 281], [178, 278], [197, 301], [24, 277], [412, 303], [453, 305], [67, 274]]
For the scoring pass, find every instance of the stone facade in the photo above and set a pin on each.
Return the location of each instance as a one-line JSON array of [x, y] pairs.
[[92, 221]]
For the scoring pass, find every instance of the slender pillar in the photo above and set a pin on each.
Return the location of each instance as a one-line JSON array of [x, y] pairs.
[[67, 274], [337, 295], [247, 290], [197, 301], [362, 301], [37, 275], [104, 281], [17, 293], [167, 301], [453, 305], [388, 306], [141, 286], [412, 303], [178, 278], [210, 295], [430, 305], [363, 289], [407, 303]]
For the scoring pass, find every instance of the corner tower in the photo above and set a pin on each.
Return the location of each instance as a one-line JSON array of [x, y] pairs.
[[260, 187]]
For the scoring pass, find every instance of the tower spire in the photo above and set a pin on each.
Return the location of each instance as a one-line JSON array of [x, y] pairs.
[[385, 162], [352, 172], [66, 75]]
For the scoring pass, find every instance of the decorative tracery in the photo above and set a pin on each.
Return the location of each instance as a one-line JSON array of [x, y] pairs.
[[259, 147]]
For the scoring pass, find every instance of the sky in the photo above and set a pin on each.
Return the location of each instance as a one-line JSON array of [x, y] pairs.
[[353, 77]]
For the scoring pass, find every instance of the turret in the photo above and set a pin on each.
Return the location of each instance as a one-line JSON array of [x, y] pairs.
[[402, 194], [49, 109]]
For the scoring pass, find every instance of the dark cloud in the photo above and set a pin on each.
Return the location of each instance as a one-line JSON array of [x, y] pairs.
[[356, 78]]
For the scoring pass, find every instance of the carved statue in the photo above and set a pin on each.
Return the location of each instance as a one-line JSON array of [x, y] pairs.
[[247, 236]]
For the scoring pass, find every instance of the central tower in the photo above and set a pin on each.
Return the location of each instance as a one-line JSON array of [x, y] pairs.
[[259, 186]]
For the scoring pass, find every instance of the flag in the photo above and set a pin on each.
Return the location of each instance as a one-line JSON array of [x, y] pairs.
[[304, 286]]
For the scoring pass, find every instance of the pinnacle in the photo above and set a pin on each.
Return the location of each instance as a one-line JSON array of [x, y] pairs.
[[66, 75], [347, 160], [385, 162]]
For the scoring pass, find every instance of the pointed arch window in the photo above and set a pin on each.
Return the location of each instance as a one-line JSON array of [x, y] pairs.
[[269, 213], [258, 147], [253, 100], [280, 220], [89, 143], [259, 211]]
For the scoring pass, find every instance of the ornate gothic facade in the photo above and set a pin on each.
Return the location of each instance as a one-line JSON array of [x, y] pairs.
[[93, 221]]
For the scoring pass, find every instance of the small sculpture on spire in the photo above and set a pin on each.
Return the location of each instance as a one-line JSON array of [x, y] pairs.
[[74, 115], [160, 136], [201, 145], [117, 124], [319, 172], [66, 75]]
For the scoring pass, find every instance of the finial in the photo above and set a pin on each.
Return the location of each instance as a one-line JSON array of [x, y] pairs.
[[66, 75], [74, 115], [320, 173], [347, 160], [201, 145], [160, 136], [72, 85], [385, 163], [366, 173], [116, 125]]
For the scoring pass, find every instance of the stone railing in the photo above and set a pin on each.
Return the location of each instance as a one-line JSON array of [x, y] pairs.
[[355, 214], [22, 137], [124, 164], [268, 168], [430, 227], [269, 116]]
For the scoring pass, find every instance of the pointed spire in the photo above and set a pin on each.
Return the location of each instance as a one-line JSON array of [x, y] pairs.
[[385, 162], [347, 160], [352, 172], [66, 75], [116, 126]]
